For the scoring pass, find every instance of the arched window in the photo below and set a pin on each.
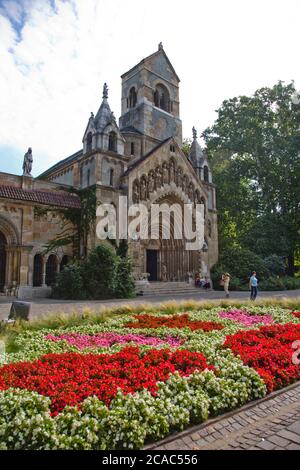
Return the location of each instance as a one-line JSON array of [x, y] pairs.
[[89, 140], [51, 270], [162, 98], [112, 142], [132, 98], [64, 262], [37, 271], [206, 174], [2, 260], [88, 177]]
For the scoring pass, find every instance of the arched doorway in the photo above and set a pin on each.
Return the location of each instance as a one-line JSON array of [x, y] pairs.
[[38, 271], [3, 244], [51, 270], [64, 262]]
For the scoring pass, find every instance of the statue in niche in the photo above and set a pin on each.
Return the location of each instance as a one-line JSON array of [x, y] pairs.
[[185, 183], [158, 177], [136, 193], [197, 197], [151, 182], [27, 163], [191, 192], [172, 172], [143, 189], [179, 178], [165, 173]]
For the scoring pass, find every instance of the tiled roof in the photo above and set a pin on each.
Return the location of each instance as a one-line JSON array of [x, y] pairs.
[[49, 198], [62, 163]]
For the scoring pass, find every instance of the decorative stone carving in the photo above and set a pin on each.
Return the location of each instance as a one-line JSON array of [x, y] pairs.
[[27, 163]]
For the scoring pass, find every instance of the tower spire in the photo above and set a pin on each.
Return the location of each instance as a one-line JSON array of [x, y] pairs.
[[194, 133]]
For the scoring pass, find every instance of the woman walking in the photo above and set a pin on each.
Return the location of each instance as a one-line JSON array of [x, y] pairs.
[[225, 282], [253, 286]]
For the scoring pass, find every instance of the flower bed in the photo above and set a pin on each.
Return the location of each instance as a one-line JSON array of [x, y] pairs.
[[99, 386]]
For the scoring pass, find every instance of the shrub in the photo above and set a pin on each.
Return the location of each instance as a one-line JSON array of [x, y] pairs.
[[124, 283], [102, 275], [280, 283], [69, 283], [99, 272]]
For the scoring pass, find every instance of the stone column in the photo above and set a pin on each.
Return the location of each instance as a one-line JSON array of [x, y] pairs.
[[44, 272]]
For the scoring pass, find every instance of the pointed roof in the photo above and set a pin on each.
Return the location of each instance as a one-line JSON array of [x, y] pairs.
[[196, 154], [159, 51], [104, 115]]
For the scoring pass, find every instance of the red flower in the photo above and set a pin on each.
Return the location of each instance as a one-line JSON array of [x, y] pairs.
[[269, 351], [176, 321], [69, 378]]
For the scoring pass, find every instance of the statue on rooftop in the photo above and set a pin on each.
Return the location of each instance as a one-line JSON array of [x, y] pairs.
[[27, 163], [105, 91]]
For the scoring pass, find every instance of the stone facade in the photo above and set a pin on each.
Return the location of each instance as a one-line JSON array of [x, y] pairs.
[[140, 158]]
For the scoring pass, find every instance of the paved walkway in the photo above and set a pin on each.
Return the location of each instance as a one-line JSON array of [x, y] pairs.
[[269, 424], [42, 307]]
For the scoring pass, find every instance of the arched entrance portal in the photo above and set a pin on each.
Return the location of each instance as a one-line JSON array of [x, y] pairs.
[[3, 244]]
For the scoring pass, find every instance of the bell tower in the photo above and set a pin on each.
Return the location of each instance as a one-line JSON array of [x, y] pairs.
[[150, 101]]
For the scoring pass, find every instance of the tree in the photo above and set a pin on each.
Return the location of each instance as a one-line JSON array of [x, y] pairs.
[[254, 147]]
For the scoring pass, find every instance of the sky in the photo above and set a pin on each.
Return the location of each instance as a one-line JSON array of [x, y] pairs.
[[55, 56]]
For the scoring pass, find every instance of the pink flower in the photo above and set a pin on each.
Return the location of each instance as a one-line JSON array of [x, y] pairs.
[[245, 318], [106, 340]]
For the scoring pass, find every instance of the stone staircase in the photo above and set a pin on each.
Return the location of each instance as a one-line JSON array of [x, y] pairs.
[[167, 288]]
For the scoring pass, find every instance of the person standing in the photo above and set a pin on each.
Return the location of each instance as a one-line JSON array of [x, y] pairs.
[[253, 286], [226, 281]]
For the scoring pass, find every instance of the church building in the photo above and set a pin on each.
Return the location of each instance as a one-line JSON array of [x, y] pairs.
[[140, 157]]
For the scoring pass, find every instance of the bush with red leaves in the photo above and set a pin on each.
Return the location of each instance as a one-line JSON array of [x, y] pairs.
[[69, 378], [269, 351], [175, 321]]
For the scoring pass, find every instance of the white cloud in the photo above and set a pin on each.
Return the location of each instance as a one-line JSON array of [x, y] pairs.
[[55, 56]]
